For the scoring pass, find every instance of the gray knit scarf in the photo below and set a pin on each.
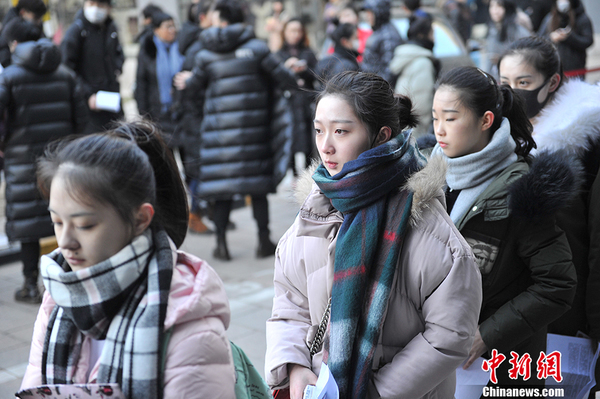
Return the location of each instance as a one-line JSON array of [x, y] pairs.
[[473, 173], [122, 300]]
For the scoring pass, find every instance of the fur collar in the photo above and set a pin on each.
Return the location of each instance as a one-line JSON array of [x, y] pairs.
[[427, 185], [571, 121], [551, 184]]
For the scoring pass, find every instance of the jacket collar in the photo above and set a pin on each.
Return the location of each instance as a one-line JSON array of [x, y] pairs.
[[561, 126]]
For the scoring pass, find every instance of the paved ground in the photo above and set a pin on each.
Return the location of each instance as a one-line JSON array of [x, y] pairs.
[[248, 282]]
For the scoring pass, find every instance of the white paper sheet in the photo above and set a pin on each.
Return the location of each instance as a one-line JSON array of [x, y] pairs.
[[108, 101], [325, 388], [470, 382], [578, 362]]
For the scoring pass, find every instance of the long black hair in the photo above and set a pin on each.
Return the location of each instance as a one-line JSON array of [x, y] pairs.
[[123, 168], [479, 92], [538, 52], [372, 100]]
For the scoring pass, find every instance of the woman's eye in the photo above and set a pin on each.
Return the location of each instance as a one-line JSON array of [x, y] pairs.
[[317, 131], [434, 119], [340, 131], [86, 227], [56, 224], [450, 119]]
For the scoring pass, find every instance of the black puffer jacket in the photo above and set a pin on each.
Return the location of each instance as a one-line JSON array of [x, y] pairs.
[[189, 104], [380, 46], [239, 142], [147, 93], [40, 98], [525, 261], [94, 53]]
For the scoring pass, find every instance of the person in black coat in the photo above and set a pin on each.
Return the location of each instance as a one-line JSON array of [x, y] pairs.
[[380, 46], [190, 104], [159, 60], [29, 10], [92, 49], [238, 73], [188, 34], [344, 54], [571, 31], [38, 95], [300, 59]]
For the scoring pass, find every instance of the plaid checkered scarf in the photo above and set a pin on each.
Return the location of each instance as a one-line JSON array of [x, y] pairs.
[[376, 212], [122, 300]]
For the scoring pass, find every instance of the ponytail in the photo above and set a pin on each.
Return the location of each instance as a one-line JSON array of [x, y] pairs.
[[123, 168], [171, 209], [513, 108], [479, 92], [405, 110]]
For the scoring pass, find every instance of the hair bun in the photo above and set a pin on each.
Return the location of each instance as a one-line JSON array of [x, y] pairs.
[[405, 110]]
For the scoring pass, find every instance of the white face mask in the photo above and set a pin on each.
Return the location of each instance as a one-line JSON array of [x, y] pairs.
[[563, 6], [95, 15]]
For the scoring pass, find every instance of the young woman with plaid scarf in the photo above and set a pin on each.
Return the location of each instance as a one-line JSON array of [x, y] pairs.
[[373, 236], [122, 305]]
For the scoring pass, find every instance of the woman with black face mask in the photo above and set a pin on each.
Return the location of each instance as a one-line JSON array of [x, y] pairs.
[[566, 120]]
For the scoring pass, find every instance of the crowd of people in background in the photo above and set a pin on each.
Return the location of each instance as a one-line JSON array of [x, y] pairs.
[[491, 244]]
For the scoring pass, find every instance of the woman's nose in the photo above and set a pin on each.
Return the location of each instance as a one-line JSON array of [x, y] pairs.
[[326, 145], [65, 239]]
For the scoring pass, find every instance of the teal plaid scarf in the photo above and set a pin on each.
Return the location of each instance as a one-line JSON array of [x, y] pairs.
[[368, 191]]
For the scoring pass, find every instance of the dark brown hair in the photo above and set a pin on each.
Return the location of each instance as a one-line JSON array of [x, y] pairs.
[[373, 101], [123, 168]]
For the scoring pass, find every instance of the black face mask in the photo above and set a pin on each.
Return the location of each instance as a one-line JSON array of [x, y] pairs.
[[532, 105]]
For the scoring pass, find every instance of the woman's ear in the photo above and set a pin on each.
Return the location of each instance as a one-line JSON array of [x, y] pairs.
[[554, 82], [487, 120], [384, 135], [143, 218]]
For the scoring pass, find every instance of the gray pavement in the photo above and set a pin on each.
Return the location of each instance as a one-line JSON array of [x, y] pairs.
[[248, 281]]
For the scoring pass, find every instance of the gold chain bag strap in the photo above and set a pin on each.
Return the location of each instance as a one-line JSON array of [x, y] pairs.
[[317, 342]]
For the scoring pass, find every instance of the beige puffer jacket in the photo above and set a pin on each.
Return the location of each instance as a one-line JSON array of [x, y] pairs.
[[434, 304]]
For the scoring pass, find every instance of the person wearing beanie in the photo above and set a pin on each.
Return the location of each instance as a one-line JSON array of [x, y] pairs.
[[92, 49]]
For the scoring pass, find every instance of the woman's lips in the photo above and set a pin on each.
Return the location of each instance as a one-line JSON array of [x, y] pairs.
[[331, 165], [442, 144], [75, 261]]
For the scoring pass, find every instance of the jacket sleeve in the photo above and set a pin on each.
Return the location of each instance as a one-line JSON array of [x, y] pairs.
[[70, 56], [290, 320], [450, 307], [142, 85], [4, 94], [79, 107], [544, 247], [198, 80], [583, 36], [284, 78], [592, 302], [198, 359], [33, 373]]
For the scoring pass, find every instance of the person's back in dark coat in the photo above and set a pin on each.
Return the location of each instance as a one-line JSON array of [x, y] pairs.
[[41, 102]]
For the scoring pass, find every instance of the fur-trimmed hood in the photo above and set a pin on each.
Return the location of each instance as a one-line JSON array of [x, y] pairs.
[[571, 121], [552, 182], [426, 184]]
